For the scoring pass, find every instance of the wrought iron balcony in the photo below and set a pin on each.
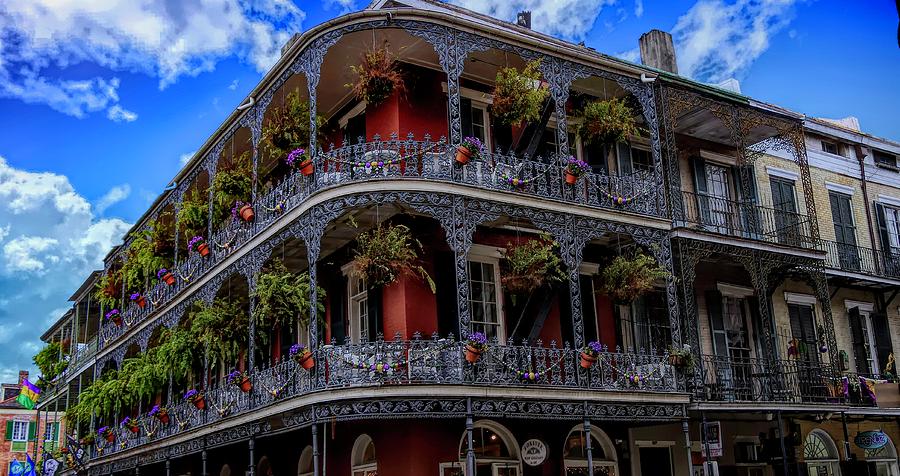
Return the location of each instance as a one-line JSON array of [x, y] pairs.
[[726, 379], [394, 363], [746, 220], [399, 160], [862, 260]]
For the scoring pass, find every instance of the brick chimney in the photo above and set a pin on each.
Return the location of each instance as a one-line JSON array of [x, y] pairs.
[[658, 51], [23, 375]]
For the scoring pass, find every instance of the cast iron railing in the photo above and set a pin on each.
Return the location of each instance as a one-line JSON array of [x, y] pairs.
[[859, 259], [409, 362], [400, 160], [727, 379], [746, 220]]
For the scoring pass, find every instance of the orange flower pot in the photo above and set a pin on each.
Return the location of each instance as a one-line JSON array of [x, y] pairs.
[[587, 360], [306, 360], [306, 167], [134, 429], [163, 418], [117, 321], [200, 403], [463, 155], [111, 437], [472, 354], [571, 178], [247, 213], [169, 279], [141, 302], [203, 249], [246, 385]]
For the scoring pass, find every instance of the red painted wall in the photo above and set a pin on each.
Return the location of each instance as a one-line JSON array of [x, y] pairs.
[[606, 318], [408, 307], [421, 110]]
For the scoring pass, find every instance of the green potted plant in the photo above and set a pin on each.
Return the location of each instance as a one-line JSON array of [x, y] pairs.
[[109, 288], [282, 299], [519, 96], [302, 356], [476, 344], [589, 354], [377, 77], [682, 357], [221, 327], [193, 215], [628, 277], [469, 148], [233, 188], [288, 126], [575, 169], [241, 380], [385, 253], [530, 264], [50, 361], [607, 121]]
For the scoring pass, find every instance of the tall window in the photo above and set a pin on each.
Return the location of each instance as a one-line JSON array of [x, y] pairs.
[[359, 309], [484, 299], [475, 120], [862, 333], [603, 453], [51, 435], [884, 459], [17, 432], [305, 465], [363, 457], [645, 323], [892, 220], [496, 452], [641, 159], [820, 454]]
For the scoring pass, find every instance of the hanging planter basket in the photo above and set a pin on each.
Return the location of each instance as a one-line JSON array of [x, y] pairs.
[[627, 278], [530, 264], [607, 121]]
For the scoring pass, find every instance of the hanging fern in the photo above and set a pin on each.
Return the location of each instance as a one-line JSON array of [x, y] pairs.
[[50, 361], [108, 291], [233, 183], [628, 277], [377, 77], [150, 250], [282, 299], [193, 214], [288, 126], [387, 252], [516, 96], [607, 122], [529, 265], [221, 328]]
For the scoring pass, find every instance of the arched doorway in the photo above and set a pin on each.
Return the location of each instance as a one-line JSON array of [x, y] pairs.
[[362, 457], [603, 453], [496, 451], [884, 459], [820, 454], [305, 464]]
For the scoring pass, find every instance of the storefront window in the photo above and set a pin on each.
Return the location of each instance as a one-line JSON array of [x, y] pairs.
[[603, 455]]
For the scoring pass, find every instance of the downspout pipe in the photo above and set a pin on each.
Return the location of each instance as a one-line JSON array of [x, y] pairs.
[[861, 158]]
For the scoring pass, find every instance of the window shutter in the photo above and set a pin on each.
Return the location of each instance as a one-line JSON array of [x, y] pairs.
[[883, 345], [56, 432], [716, 322], [858, 340], [698, 165], [623, 156], [445, 283], [465, 105], [32, 429], [702, 213], [373, 301], [882, 229], [9, 430], [339, 310]]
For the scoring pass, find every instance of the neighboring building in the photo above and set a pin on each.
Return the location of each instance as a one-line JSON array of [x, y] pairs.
[[20, 427], [778, 250]]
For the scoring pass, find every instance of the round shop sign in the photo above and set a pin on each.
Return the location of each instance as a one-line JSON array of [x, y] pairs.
[[870, 440], [534, 452]]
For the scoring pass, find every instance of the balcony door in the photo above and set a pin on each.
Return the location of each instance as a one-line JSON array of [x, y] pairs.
[[804, 372], [784, 202], [889, 231], [733, 343], [844, 230], [713, 184]]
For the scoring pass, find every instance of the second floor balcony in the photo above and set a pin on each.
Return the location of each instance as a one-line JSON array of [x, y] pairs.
[[854, 259]]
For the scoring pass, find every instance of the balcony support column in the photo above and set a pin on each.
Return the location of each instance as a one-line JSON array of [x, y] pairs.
[[784, 461], [251, 445], [315, 448], [686, 429], [470, 439], [168, 467], [588, 447]]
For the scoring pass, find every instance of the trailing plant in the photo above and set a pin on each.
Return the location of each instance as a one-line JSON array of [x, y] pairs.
[[377, 77], [518, 96], [109, 289], [193, 215], [233, 182], [385, 253], [282, 299], [221, 328], [682, 357], [50, 361], [607, 122], [530, 264], [628, 277], [150, 249], [288, 126]]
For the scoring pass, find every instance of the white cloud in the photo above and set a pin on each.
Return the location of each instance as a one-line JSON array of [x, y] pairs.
[[117, 113], [345, 6], [52, 242], [113, 196], [570, 19], [233, 85], [186, 157], [716, 40], [638, 8], [633, 55], [41, 39]]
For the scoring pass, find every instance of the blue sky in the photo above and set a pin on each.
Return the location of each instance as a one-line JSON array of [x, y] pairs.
[[98, 106]]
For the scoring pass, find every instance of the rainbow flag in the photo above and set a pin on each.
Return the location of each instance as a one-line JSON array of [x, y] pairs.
[[29, 394]]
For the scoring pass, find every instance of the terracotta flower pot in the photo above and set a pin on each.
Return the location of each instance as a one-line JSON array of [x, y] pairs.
[[571, 178], [676, 360], [247, 213], [163, 418], [141, 302], [134, 429], [306, 167], [117, 321], [169, 279], [472, 354], [111, 437], [203, 249], [587, 360], [246, 385], [463, 155], [200, 403], [306, 360]]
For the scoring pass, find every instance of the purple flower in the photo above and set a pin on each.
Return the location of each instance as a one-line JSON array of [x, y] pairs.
[[153, 411], [593, 348], [125, 422], [194, 241], [190, 394], [162, 272], [576, 166], [294, 156], [473, 144], [477, 340], [112, 314], [135, 296], [236, 209], [103, 431], [297, 349]]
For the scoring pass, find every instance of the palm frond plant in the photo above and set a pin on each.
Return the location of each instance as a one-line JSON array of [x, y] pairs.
[[519, 95], [377, 77], [387, 252], [108, 290], [282, 299], [628, 277], [607, 121], [531, 264]]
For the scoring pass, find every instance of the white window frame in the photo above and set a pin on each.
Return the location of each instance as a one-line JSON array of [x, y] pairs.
[[865, 313], [355, 321], [48, 430], [490, 255], [19, 424], [359, 450], [480, 100]]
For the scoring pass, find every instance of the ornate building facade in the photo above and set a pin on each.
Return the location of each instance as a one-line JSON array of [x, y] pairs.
[[723, 193]]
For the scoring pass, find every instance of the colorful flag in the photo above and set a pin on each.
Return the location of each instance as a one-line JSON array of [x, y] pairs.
[[29, 394], [29, 466], [16, 468]]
